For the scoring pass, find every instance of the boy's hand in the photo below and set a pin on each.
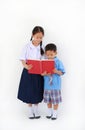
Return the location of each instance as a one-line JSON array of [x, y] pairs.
[[57, 71]]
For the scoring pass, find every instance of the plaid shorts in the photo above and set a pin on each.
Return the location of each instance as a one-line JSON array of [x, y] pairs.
[[52, 96]]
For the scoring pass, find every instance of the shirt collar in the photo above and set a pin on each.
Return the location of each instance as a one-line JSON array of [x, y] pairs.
[[56, 58], [32, 46]]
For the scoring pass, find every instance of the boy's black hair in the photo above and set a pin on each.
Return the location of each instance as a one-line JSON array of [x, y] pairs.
[[50, 47], [35, 30]]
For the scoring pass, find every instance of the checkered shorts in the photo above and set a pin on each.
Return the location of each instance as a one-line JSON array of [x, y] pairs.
[[52, 96]]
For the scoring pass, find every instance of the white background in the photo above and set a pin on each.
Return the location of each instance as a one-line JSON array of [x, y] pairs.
[[64, 24]]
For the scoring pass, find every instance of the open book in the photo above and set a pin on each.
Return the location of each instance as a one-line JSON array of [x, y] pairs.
[[40, 66]]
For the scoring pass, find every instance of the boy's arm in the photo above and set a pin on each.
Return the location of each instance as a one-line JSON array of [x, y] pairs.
[[57, 72]]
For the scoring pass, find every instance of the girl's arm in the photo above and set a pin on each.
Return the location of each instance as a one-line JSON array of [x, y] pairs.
[[57, 72], [45, 73], [28, 67]]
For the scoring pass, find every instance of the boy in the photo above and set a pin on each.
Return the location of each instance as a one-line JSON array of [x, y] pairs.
[[52, 82]]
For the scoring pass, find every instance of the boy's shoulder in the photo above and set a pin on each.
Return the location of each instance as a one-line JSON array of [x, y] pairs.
[[57, 60]]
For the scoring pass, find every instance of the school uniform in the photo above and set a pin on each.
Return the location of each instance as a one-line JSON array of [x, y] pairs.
[[31, 85], [52, 91]]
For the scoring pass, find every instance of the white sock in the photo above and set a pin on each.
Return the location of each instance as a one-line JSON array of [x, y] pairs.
[[36, 111], [49, 111], [54, 114], [31, 111]]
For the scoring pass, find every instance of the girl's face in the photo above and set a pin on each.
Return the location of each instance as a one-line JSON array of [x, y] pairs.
[[50, 54], [37, 38]]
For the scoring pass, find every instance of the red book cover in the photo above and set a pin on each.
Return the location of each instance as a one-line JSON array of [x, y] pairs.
[[40, 66]]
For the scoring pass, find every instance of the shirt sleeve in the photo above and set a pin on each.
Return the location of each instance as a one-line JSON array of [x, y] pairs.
[[23, 53], [60, 66]]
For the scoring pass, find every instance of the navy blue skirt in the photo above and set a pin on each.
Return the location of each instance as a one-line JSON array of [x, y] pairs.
[[31, 88]]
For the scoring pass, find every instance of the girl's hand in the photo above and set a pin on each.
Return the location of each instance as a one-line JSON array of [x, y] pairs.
[[45, 73], [29, 67]]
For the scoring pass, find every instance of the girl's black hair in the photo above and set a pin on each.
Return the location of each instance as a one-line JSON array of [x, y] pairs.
[[50, 47], [38, 29]]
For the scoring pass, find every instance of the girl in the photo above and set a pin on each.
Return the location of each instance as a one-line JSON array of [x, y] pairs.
[[31, 85]]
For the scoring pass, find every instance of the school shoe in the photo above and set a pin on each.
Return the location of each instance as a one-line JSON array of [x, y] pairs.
[[36, 112], [54, 117], [37, 116], [31, 116], [49, 116]]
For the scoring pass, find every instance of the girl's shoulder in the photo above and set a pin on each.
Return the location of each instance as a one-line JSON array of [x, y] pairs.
[[26, 46]]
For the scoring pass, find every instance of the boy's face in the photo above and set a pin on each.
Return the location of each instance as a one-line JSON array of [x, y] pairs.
[[50, 54]]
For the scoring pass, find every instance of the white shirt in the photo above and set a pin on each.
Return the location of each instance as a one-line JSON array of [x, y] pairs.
[[30, 52]]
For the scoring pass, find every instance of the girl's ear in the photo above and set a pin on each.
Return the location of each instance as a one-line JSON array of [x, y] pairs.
[[32, 38], [56, 52], [45, 53]]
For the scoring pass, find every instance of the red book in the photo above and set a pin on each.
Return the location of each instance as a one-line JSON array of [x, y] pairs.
[[40, 66]]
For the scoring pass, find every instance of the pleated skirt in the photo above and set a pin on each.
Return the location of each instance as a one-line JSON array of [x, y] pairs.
[[30, 88]]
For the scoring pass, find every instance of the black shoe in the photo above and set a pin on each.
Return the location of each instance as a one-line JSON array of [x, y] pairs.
[[37, 117], [53, 118], [33, 117], [48, 117]]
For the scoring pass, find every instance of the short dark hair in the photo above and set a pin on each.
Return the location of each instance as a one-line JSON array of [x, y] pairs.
[[50, 47]]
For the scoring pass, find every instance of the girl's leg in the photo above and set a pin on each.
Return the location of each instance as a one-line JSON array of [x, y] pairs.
[[49, 105], [36, 111], [55, 107], [31, 115]]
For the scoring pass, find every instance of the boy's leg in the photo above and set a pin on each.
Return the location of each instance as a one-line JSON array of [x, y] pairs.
[[49, 105], [31, 115], [54, 116]]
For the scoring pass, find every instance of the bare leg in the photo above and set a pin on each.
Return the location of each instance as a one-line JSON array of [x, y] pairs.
[[49, 105], [30, 105], [55, 107]]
